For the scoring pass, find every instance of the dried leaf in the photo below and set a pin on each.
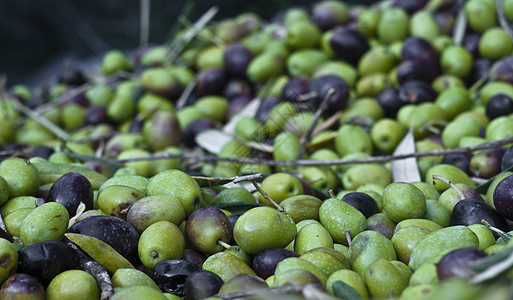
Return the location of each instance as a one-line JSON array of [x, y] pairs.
[[248, 111], [100, 251], [213, 140], [345, 291], [49, 172], [460, 26], [406, 170]]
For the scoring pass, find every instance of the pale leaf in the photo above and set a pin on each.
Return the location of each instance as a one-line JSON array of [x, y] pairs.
[[213, 140], [248, 111], [406, 170]]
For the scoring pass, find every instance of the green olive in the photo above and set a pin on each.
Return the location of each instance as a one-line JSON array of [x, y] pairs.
[[495, 43]]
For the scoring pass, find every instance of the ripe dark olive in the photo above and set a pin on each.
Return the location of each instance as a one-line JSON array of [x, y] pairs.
[[472, 211], [72, 77], [503, 197], [499, 105], [237, 87], [415, 91], [455, 263], [80, 99], [237, 104], [322, 84], [201, 285], [22, 286], [233, 219], [363, 202], [294, 88], [170, 275], [417, 48], [419, 69], [211, 82], [42, 151], [459, 160], [116, 232], [388, 99], [194, 257], [194, 128], [96, 115], [410, 6], [471, 43], [265, 108], [349, 44], [329, 14], [136, 126], [236, 59], [265, 262], [71, 189], [45, 260]]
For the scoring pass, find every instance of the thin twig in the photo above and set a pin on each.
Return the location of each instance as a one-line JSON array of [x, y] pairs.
[[98, 271], [61, 134], [266, 196], [317, 115], [502, 20], [182, 101], [144, 30], [307, 162], [286, 289], [250, 177], [180, 44], [327, 123]]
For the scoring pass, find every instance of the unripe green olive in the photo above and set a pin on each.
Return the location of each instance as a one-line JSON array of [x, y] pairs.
[[456, 60], [393, 25], [495, 43]]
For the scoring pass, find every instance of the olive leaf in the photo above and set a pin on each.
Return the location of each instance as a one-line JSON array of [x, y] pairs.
[[488, 261], [496, 269], [100, 251], [345, 291], [49, 172], [460, 26], [238, 208], [212, 140], [406, 169]]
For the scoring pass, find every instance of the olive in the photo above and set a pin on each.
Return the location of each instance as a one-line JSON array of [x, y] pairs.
[[236, 58], [211, 81], [349, 44], [410, 6], [415, 92], [116, 232], [170, 275], [363, 202], [70, 190], [472, 211], [236, 87], [499, 105], [321, 85], [459, 160], [202, 284], [45, 260], [455, 263], [22, 286], [388, 99]]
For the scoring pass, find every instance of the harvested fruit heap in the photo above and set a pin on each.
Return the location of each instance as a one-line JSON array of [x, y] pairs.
[[263, 158]]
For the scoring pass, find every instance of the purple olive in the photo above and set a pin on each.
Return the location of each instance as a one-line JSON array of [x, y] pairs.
[[349, 44], [455, 263], [211, 82], [236, 88], [236, 58], [70, 190], [265, 262]]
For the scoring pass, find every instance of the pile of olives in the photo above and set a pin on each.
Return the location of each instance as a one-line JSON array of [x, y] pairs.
[[90, 210]]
